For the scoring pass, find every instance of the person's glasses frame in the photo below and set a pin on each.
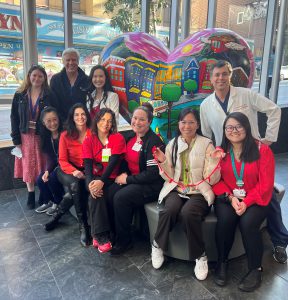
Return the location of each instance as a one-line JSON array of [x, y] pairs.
[[230, 128]]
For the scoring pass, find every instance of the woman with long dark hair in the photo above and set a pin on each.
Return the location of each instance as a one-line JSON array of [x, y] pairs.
[[244, 192], [100, 92], [71, 171], [139, 182], [28, 102], [51, 190], [102, 153], [187, 160]]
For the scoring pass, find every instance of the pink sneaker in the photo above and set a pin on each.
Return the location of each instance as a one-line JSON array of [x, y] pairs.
[[104, 247], [95, 243]]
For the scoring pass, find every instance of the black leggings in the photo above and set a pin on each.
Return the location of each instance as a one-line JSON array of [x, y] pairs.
[[249, 224], [98, 212], [122, 200]]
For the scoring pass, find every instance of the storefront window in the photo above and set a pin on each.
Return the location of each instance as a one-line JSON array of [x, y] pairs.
[[247, 18], [95, 24]]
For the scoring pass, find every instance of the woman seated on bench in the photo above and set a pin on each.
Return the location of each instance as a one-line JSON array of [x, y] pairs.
[[102, 154], [71, 171], [246, 185], [187, 161], [140, 182]]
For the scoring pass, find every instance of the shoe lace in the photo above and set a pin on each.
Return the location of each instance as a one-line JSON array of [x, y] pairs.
[[201, 264], [157, 252]]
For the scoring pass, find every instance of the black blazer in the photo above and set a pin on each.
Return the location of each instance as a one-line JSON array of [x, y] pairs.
[[20, 113]]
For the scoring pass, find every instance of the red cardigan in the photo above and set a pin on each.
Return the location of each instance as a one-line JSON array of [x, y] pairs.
[[258, 178], [70, 153]]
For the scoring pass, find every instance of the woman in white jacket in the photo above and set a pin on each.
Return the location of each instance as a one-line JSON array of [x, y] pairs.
[[186, 162], [102, 95]]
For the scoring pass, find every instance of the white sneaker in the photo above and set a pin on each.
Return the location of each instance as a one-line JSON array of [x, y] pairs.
[[52, 210], [157, 257], [43, 208], [201, 268]]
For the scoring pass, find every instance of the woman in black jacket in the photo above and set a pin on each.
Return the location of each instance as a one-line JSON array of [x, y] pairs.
[[28, 102], [51, 190], [141, 182]]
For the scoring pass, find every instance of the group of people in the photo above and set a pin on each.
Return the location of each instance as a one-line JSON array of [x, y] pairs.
[[70, 146]]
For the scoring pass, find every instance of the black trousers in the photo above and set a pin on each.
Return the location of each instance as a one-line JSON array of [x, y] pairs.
[[122, 200], [249, 224], [79, 196], [191, 213], [98, 212]]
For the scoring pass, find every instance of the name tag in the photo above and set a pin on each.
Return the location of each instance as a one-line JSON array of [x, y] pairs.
[[239, 193], [137, 147], [106, 153]]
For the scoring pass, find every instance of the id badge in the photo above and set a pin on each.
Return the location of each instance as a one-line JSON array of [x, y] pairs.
[[106, 153], [239, 193], [137, 147]]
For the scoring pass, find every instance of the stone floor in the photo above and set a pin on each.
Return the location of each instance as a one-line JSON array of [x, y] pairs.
[[38, 265]]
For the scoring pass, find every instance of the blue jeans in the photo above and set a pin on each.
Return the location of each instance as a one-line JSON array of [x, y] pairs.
[[275, 226], [52, 190]]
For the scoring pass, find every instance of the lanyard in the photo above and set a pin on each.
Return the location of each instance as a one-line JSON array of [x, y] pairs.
[[185, 169], [239, 179], [186, 165], [33, 109]]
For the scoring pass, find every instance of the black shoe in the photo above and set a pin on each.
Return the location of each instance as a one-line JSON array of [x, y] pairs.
[[251, 281], [85, 237], [31, 200], [280, 254], [220, 276], [120, 248], [54, 222]]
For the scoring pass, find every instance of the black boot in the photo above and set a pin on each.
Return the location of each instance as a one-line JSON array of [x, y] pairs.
[[31, 200], [251, 281], [220, 276], [85, 236], [54, 222], [63, 207], [80, 204]]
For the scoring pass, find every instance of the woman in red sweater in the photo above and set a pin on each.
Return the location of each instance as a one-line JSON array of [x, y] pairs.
[[71, 171], [244, 192], [102, 153]]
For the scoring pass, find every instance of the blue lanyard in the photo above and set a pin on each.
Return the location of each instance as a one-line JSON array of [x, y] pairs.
[[239, 179], [33, 109]]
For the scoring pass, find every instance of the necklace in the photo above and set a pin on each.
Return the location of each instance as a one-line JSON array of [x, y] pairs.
[[55, 150]]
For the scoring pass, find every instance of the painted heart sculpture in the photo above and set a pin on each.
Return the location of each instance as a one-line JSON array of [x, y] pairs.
[[140, 65]]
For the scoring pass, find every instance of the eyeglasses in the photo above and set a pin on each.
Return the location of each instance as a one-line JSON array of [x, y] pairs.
[[230, 128]]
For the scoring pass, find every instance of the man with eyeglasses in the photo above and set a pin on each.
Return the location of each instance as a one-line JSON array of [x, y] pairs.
[[227, 99]]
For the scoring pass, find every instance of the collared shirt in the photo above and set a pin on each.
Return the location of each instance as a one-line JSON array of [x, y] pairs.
[[224, 104]]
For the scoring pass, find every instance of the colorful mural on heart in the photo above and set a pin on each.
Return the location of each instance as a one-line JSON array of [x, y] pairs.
[[140, 66]]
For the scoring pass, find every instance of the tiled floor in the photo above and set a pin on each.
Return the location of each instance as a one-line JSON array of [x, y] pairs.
[[38, 265]]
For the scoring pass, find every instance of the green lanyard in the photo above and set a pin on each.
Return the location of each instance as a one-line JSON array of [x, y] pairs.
[[239, 179], [185, 170]]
